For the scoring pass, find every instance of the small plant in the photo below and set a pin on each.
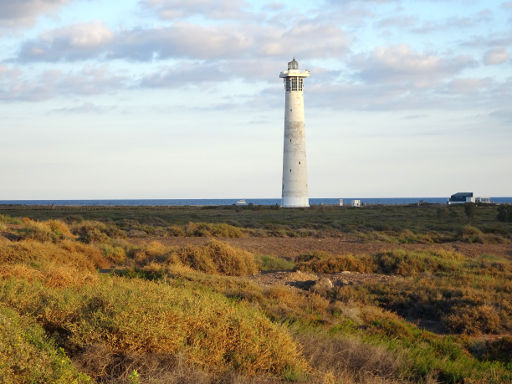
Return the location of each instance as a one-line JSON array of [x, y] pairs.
[[134, 377], [272, 263]]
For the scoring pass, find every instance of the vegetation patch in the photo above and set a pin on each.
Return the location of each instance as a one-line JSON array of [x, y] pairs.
[[28, 356]]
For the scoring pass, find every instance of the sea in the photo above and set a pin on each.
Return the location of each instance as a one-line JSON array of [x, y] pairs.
[[214, 202]]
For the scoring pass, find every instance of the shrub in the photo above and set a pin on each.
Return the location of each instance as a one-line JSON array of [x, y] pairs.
[[469, 210], [472, 319], [471, 234], [175, 230], [322, 262], [272, 263], [213, 230], [66, 252], [217, 257], [138, 316], [51, 230], [406, 263], [350, 359], [95, 231], [498, 349], [505, 212], [115, 254], [27, 356], [150, 252]]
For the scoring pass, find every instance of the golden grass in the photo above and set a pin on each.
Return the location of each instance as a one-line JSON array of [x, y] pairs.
[[67, 252]]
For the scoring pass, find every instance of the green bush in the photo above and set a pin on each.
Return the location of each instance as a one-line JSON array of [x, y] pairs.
[[213, 230], [27, 356], [272, 263]]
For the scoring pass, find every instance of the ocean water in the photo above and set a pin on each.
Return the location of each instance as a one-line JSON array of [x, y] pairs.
[[182, 202]]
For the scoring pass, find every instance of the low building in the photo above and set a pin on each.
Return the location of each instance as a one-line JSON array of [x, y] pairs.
[[461, 198], [341, 202], [356, 203]]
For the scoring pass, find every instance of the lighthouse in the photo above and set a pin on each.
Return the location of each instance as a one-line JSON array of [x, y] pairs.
[[295, 178]]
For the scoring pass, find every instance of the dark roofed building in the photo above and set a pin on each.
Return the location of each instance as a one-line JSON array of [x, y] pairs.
[[461, 198]]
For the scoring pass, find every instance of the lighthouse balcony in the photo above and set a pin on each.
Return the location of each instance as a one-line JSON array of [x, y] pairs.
[[295, 73]]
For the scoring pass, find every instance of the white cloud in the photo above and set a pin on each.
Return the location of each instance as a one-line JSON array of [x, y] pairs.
[[185, 40], [76, 42], [90, 80], [184, 74], [403, 64], [178, 9], [305, 40], [15, 13], [495, 56]]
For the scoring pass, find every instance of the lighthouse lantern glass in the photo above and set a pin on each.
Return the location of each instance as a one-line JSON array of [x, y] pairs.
[[294, 84]]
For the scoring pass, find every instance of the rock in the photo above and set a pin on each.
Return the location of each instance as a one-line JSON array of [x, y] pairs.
[[136, 233], [301, 276], [322, 285], [342, 282], [303, 284]]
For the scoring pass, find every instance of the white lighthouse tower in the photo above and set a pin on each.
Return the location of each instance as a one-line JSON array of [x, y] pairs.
[[295, 178]]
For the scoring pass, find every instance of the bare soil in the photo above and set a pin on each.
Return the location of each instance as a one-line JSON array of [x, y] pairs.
[[301, 279]]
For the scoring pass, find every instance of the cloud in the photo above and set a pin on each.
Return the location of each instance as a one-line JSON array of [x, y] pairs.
[[181, 40], [467, 85], [15, 13], [179, 9], [87, 81], [504, 115], [76, 42], [184, 74], [483, 16], [403, 64], [305, 40], [495, 56], [184, 40], [85, 108], [398, 21]]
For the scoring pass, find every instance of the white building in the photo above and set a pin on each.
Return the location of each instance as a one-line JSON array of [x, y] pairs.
[[356, 203], [295, 179]]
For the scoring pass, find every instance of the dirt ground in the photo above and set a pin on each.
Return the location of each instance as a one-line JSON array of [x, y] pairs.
[[291, 247], [305, 280]]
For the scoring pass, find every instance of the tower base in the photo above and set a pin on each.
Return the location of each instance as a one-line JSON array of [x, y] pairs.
[[295, 202]]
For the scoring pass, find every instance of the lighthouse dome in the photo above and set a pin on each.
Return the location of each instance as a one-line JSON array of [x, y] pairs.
[[294, 64]]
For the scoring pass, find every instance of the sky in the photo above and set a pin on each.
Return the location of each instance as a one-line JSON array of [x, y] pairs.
[[182, 99]]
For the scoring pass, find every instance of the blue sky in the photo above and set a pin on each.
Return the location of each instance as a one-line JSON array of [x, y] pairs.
[[181, 99]]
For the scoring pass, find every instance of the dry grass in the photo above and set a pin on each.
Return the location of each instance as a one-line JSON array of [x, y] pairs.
[[217, 258], [66, 252], [200, 322], [323, 262], [137, 316], [395, 262], [348, 360]]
